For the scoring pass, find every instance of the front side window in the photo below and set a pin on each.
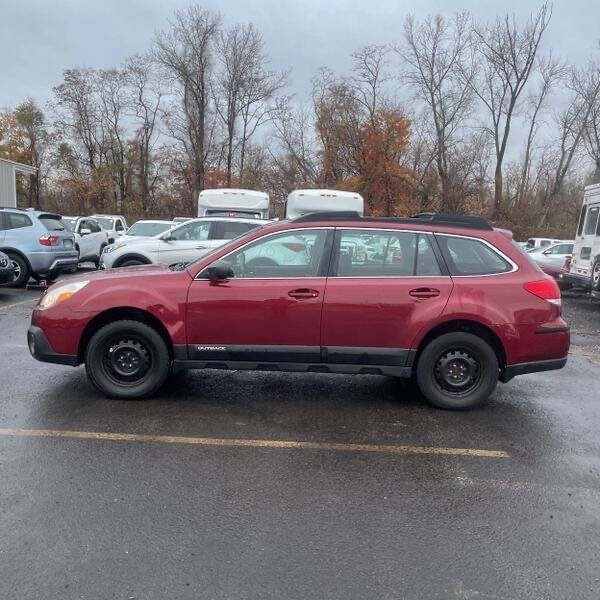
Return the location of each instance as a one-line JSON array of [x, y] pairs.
[[105, 223], [195, 232], [16, 220], [467, 256], [284, 255], [592, 220], [120, 226]]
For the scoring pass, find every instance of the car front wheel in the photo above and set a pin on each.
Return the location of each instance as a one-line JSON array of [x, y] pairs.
[[457, 371], [127, 360], [596, 276]]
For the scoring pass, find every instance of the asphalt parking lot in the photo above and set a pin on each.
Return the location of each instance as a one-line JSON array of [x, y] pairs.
[[297, 486]]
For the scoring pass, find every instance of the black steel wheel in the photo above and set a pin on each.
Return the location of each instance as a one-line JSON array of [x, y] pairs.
[[457, 370], [127, 359]]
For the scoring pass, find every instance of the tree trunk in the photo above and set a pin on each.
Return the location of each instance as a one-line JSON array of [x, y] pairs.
[[497, 191]]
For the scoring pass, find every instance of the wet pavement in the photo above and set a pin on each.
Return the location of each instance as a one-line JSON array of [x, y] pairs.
[[158, 517]]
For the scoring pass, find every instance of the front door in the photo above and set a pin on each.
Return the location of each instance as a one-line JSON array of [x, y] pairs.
[[186, 243], [270, 311], [385, 287]]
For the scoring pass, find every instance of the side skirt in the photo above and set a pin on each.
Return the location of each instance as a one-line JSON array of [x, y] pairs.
[[393, 371]]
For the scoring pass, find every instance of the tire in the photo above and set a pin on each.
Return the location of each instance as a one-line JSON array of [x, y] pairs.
[[22, 271], [127, 360], [596, 275], [457, 371], [132, 262]]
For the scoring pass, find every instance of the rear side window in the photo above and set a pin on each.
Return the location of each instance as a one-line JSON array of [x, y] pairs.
[[592, 220], [371, 253], [468, 256], [16, 220], [230, 230], [52, 224]]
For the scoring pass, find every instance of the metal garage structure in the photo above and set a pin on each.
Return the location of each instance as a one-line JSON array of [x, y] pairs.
[[8, 185]]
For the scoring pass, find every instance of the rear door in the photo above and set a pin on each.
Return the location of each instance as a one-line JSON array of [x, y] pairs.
[[378, 300]]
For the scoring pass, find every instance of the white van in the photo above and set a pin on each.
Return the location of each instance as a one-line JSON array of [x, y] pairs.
[[585, 260], [302, 202], [229, 202]]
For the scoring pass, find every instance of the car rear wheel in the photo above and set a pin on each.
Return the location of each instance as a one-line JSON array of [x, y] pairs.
[[457, 371], [21, 271], [127, 360], [132, 262]]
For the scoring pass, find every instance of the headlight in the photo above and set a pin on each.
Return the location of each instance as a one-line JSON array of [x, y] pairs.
[[59, 293], [113, 247]]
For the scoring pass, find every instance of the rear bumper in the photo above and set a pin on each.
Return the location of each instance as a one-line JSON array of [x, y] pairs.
[[50, 263], [576, 280], [41, 350], [532, 367]]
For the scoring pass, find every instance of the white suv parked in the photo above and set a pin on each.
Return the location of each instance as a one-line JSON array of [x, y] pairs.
[[90, 238], [185, 243], [116, 225]]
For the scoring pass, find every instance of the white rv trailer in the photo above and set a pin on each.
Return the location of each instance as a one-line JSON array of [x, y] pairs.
[[229, 202], [585, 260], [302, 202]]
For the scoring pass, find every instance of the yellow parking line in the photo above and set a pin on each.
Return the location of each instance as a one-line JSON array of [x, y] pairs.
[[201, 441]]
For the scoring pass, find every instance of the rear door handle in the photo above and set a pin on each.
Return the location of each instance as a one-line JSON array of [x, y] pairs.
[[303, 294], [424, 292]]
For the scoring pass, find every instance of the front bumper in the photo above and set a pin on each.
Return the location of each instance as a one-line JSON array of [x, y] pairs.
[[511, 371], [41, 350]]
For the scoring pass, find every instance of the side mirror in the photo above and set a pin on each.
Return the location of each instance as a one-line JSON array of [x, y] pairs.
[[218, 271], [167, 237], [85, 231]]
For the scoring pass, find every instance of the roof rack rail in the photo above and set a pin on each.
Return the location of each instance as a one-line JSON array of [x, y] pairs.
[[466, 221], [16, 208]]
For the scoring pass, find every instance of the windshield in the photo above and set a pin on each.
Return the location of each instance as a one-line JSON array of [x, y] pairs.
[[68, 224], [105, 222], [148, 229]]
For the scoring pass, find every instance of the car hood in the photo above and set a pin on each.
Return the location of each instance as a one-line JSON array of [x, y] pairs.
[[122, 272]]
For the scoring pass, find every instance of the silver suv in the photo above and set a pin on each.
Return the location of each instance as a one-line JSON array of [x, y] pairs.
[[37, 243], [184, 243]]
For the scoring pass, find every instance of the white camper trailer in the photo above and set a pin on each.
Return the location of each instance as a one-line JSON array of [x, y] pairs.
[[302, 202], [584, 269], [228, 202]]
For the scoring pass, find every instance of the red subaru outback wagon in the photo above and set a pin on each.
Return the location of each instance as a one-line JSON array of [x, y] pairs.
[[448, 300]]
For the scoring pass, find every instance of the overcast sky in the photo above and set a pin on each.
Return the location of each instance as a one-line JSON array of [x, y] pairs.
[[40, 38]]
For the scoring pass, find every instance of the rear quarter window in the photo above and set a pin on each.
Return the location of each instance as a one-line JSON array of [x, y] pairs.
[[16, 220], [468, 256]]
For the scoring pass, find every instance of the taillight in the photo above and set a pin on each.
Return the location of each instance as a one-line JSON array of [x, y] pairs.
[[546, 289], [49, 240]]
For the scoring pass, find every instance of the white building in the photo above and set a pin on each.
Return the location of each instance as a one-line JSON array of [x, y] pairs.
[[8, 185]]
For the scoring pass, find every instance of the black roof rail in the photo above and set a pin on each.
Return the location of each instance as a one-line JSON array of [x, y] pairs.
[[466, 221], [332, 215]]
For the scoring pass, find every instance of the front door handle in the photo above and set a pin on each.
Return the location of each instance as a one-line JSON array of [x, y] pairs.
[[424, 292], [303, 294], [201, 247]]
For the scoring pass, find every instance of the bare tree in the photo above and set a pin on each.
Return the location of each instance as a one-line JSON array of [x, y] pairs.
[[591, 133], [145, 99], [438, 69], [508, 51], [369, 76], [112, 100], [186, 53], [551, 71]]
